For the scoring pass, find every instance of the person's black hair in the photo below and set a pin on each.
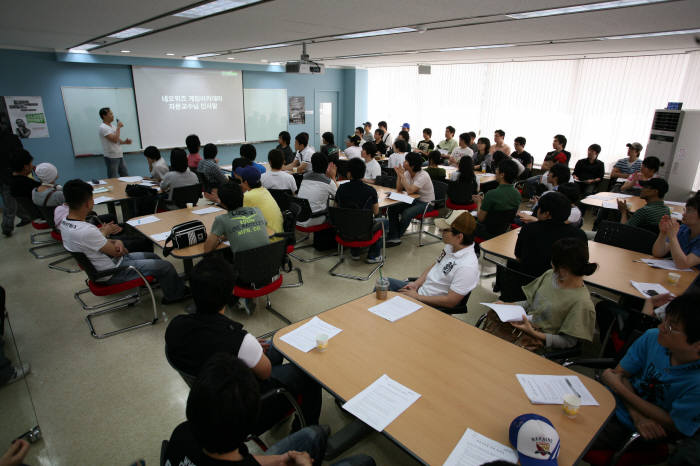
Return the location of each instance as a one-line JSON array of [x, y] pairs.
[[684, 310], [451, 129], [520, 140], [193, 144], [435, 157], [76, 193], [401, 145], [178, 160], [467, 240], [302, 138], [355, 140], [380, 131], [486, 142], [248, 152], [152, 153], [571, 191], [561, 172], [428, 131], [210, 151], [319, 163], [572, 255], [464, 137], [276, 159], [223, 404], [499, 463], [103, 112], [329, 138], [360, 129], [500, 132], [595, 148], [367, 123], [382, 123], [286, 137], [509, 169], [370, 148], [694, 202], [20, 159], [213, 278], [652, 163], [231, 195], [562, 140], [472, 134], [466, 170], [556, 204], [498, 157], [404, 134], [415, 160], [356, 168]]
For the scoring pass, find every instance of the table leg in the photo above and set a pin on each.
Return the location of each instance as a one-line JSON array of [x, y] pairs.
[[112, 210]]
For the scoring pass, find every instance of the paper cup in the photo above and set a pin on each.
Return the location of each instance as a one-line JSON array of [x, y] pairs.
[[321, 341], [571, 405], [190, 205], [673, 278]]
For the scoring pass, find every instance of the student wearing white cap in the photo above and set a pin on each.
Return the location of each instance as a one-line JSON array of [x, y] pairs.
[[48, 194]]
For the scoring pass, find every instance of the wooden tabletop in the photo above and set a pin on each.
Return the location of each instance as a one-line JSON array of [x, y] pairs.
[[634, 203], [117, 189], [616, 266], [465, 376], [383, 195]]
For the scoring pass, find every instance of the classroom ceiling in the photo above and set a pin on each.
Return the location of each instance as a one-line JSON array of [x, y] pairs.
[[442, 24]]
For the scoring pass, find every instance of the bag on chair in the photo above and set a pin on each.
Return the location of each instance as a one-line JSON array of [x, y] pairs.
[[185, 235], [505, 331]]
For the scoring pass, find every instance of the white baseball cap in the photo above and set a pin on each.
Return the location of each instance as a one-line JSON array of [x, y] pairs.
[[535, 439]]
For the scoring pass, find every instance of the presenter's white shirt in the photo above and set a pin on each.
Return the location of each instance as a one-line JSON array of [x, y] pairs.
[[278, 180], [372, 169], [79, 236], [111, 150], [456, 271], [353, 152]]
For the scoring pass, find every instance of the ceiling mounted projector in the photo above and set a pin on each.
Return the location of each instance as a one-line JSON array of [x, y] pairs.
[[304, 65]]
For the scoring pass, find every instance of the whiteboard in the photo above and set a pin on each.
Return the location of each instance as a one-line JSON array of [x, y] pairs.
[[82, 105], [265, 113]]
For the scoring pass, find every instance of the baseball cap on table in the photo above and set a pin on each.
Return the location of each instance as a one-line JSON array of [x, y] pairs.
[[459, 220], [406, 125], [656, 183], [248, 173], [535, 439], [636, 146]]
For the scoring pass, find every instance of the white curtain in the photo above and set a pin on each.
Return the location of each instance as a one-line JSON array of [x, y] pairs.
[[608, 101]]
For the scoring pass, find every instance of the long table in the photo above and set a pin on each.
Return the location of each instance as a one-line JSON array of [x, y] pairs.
[[465, 376], [117, 193], [616, 266], [633, 203]]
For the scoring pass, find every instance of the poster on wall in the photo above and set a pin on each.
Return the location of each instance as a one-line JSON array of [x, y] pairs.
[[297, 112], [26, 116]]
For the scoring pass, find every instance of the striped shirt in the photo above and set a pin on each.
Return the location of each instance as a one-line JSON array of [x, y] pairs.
[[628, 168], [649, 215]]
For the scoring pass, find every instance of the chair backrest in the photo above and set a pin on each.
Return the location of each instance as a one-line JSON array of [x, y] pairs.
[[289, 223], [188, 378], [351, 224], [259, 266], [186, 194], [298, 177], [460, 193], [85, 264], [304, 208], [625, 236], [440, 189], [511, 282], [47, 214], [498, 221], [203, 181], [281, 196]]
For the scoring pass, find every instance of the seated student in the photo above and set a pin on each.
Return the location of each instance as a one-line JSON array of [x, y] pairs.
[[328, 148], [558, 155], [357, 195], [302, 160], [248, 152], [157, 167], [193, 145], [449, 144], [359, 132], [499, 142], [414, 180], [209, 168], [257, 196], [455, 273], [397, 158], [628, 165], [379, 141], [354, 151], [386, 137], [482, 157], [590, 171], [649, 216], [463, 184], [48, 194], [496, 159], [192, 339], [317, 187], [367, 135], [522, 156], [405, 135], [570, 190], [657, 383], [558, 302], [243, 227], [284, 140], [179, 175], [557, 175], [461, 151], [21, 185], [533, 249], [649, 170], [275, 177], [434, 170], [372, 168], [682, 242], [472, 142], [426, 145], [81, 236], [504, 197]]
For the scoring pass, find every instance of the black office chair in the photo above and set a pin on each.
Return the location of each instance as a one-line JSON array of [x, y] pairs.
[[432, 210], [497, 222], [625, 236], [511, 282], [305, 214], [206, 186], [460, 194], [289, 222], [184, 195], [281, 197], [355, 228]]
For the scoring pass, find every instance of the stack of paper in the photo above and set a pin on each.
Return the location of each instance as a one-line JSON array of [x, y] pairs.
[[143, 220], [508, 312], [101, 199], [401, 197], [610, 204], [207, 210], [666, 264], [551, 389], [100, 190], [303, 338], [158, 237], [649, 289], [677, 215], [474, 449], [395, 308], [380, 403], [131, 179]]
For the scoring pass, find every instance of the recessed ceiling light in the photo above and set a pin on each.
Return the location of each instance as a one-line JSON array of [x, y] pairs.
[[652, 34], [275, 63], [230, 58], [263, 47], [214, 7], [582, 8], [131, 32], [263, 60], [125, 51], [83, 48], [202, 55], [476, 47], [380, 32], [170, 54]]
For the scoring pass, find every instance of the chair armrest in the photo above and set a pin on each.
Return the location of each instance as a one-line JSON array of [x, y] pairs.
[[593, 363], [320, 213], [290, 398]]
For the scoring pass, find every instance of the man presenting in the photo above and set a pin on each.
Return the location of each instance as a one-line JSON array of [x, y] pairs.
[[111, 144]]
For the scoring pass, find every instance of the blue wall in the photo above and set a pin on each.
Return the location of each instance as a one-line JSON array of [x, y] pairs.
[[43, 74]]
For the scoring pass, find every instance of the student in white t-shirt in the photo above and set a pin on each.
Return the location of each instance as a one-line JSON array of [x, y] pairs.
[[179, 176], [302, 159], [455, 273], [275, 177], [316, 187], [397, 158], [414, 180], [462, 150], [111, 144], [156, 164], [372, 168], [354, 151]]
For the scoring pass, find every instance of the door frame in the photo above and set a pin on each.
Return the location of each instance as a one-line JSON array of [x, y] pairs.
[[317, 118]]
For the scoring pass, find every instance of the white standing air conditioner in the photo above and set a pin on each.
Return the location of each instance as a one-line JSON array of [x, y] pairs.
[[675, 140]]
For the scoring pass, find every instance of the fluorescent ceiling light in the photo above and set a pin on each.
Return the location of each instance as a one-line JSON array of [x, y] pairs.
[[263, 60], [652, 34], [476, 47], [582, 8], [276, 63], [263, 47], [214, 7], [230, 58], [380, 32], [170, 54], [83, 48], [125, 51], [201, 55], [131, 32]]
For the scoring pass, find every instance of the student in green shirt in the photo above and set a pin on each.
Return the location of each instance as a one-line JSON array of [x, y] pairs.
[[502, 198], [434, 170], [649, 216], [449, 144]]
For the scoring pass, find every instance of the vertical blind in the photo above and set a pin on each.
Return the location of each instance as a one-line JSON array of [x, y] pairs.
[[608, 101]]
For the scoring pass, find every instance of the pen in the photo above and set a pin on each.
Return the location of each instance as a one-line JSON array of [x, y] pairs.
[[572, 388]]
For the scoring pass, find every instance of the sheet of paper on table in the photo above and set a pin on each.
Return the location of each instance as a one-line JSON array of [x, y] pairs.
[[401, 197], [508, 312], [474, 449], [100, 190], [303, 338], [381, 403], [677, 215], [443, 151], [551, 389], [395, 308], [681, 204], [207, 210], [130, 179], [610, 204], [666, 264], [101, 199], [649, 289], [160, 236], [143, 220]]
